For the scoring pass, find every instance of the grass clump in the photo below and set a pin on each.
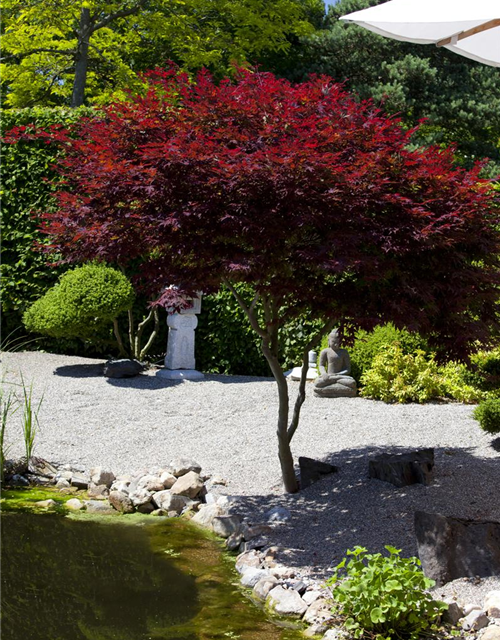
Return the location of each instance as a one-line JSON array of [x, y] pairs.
[[384, 597]]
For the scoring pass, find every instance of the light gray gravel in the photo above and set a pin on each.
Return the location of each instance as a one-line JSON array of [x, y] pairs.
[[228, 425]]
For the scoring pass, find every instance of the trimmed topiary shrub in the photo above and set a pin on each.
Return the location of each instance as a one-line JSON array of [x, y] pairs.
[[384, 597], [488, 415], [85, 300]]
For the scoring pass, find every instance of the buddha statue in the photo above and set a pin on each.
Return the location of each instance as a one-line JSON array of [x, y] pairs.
[[335, 380]]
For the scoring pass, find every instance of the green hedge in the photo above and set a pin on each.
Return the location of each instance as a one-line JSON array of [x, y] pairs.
[[28, 184]]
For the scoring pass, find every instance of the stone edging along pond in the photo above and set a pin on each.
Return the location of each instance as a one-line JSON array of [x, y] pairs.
[[182, 489]]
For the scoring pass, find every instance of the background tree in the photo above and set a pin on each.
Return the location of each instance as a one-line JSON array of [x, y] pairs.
[[313, 200], [459, 97], [61, 52]]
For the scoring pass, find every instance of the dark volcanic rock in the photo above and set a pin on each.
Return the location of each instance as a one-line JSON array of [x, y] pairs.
[[451, 548], [403, 469], [122, 368], [313, 470]]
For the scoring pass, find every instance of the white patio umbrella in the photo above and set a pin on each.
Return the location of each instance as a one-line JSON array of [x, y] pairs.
[[468, 27]]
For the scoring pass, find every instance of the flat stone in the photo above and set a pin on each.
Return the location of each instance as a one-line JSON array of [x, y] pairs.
[[234, 541], [41, 467], [181, 466], [99, 507], [403, 469], [255, 531], [98, 475], [313, 470], [224, 526], [451, 548], [74, 504], [79, 481], [311, 596], [190, 484], [123, 368], [46, 504], [475, 621], [121, 502], [256, 543], [169, 502], [286, 602], [98, 491], [252, 575], [492, 604]]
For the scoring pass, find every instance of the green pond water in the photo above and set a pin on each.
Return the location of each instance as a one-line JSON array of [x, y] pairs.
[[121, 578]]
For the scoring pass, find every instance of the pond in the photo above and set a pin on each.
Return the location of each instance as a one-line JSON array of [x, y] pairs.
[[121, 578]]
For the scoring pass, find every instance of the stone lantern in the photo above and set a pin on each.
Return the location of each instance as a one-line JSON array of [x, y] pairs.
[[180, 361]]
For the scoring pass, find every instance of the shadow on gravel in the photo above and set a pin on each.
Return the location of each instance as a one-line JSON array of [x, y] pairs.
[[495, 444], [80, 371], [152, 382], [348, 508]]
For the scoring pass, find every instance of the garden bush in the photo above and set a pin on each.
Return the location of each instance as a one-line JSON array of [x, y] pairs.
[[84, 302], [384, 597], [488, 415], [396, 376]]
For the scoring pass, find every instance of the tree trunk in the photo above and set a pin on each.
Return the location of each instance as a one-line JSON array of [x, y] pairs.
[[81, 59]]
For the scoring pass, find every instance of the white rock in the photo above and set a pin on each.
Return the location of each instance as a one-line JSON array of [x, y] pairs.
[[168, 479], [169, 502], [140, 497], [225, 526], [74, 504], [310, 596], [206, 515], [335, 634], [318, 612], [492, 604], [471, 606], [252, 575], [181, 466], [286, 602], [475, 621], [264, 586], [247, 559], [63, 484], [190, 485], [226, 502], [120, 485], [150, 483], [491, 633], [46, 504]]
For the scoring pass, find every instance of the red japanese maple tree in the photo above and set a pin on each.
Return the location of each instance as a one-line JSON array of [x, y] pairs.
[[315, 200]]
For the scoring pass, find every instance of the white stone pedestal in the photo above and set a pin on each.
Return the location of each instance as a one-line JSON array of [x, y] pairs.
[[180, 362], [312, 372]]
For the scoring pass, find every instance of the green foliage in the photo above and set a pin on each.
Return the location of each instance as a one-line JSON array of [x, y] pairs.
[[8, 406], [30, 423], [396, 376], [42, 41], [488, 415], [385, 597], [484, 371], [226, 343], [84, 300], [28, 184]]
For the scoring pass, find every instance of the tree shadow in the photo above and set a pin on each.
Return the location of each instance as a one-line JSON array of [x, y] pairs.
[[495, 444], [348, 508]]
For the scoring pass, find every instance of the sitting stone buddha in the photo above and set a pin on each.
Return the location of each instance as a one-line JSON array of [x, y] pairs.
[[334, 367]]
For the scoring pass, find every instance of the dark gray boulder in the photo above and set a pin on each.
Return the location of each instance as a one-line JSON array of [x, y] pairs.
[[313, 470], [403, 469], [451, 548], [122, 368]]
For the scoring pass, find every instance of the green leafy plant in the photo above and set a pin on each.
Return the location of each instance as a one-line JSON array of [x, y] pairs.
[[384, 596], [488, 415], [456, 383], [399, 377]]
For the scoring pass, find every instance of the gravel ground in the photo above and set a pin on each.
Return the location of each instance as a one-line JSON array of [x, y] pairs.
[[227, 423]]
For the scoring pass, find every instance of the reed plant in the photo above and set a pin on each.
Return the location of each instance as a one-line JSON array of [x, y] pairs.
[[30, 422], [8, 402]]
